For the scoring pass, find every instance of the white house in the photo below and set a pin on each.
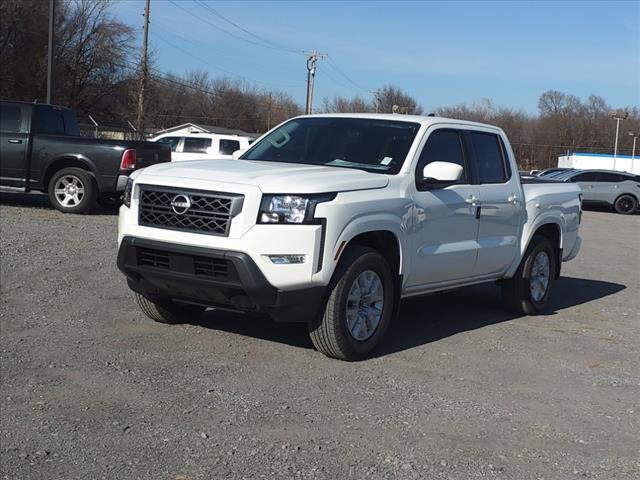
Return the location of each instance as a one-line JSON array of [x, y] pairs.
[[187, 128], [621, 163]]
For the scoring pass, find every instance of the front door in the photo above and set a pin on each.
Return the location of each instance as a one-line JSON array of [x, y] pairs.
[[444, 228]]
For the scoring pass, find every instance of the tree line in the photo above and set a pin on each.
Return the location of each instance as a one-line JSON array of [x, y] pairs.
[[95, 75]]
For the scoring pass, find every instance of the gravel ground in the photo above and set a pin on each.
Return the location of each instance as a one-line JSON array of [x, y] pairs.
[[91, 389]]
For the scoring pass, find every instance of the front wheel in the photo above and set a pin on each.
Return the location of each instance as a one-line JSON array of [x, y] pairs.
[[625, 204], [72, 190], [528, 291], [167, 312], [359, 307]]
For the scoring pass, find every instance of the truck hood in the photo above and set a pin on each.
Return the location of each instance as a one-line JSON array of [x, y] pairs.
[[269, 177]]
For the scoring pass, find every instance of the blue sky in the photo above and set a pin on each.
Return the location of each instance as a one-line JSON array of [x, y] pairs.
[[442, 53]]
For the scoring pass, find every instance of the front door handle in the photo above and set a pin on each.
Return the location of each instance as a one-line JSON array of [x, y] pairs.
[[15, 140], [472, 200]]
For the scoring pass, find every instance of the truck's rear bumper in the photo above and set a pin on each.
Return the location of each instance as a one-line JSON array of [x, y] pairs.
[[209, 277]]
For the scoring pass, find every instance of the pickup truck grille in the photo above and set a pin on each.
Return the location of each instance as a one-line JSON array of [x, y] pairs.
[[212, 267], [188, 210]]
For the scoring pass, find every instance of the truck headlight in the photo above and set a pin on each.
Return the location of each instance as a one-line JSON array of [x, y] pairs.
[[128, 191], [296, 209]]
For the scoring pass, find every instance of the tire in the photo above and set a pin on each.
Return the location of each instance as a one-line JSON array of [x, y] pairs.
[[330, 330], [72, 190], [167, 312], [524, 292], [625, 204]]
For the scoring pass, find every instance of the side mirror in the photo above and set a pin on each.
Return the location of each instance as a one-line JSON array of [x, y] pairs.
[[441, 174], [238, 153]]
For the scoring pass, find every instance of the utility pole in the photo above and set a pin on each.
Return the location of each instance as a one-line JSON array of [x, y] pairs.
[[311, 73], [269, 114], [376, 97], [144, 72], [633, 151], [617, 116], [52, 23]]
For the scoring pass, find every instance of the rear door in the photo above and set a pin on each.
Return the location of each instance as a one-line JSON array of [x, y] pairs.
[[14, 140], [607, 187], [501, 203], [587, 181]]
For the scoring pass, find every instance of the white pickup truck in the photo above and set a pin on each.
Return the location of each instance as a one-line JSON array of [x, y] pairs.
[[332, 219]]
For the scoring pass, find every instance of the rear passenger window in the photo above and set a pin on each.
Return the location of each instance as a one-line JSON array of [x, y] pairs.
[[611, 177], [586, 177], [227, 147], [489, 159], [196, 145], [49, 120], [443, 146], [10, 119]]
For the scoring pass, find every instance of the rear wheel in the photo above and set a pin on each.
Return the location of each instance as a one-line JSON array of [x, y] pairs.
[[72, 190], [528, 291], [359, 307], [167, 311], [626, 204]]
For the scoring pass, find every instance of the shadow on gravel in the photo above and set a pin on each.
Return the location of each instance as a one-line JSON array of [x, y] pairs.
[[428, 319], [41, 200], [422, 320], [256, 326]]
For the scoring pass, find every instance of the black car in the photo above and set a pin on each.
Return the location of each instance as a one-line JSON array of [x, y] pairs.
[[41, 149]]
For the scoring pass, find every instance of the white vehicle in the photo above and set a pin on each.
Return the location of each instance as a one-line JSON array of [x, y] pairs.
[[333, 219], [203, 146]]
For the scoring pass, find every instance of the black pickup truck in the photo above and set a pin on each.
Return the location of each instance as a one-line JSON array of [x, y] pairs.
[[41, 149]]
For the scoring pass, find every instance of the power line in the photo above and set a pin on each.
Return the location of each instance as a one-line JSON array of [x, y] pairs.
[[239, 27], [333, 65], [187, 52], [164, 77], [217, 27]]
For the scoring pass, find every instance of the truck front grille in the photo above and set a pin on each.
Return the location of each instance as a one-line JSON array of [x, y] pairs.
[[214, 267], [188, 210]]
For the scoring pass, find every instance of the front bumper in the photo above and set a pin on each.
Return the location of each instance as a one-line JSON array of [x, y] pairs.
[[210, 277]]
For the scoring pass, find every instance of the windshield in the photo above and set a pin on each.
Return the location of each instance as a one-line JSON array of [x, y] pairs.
[[378, 146]]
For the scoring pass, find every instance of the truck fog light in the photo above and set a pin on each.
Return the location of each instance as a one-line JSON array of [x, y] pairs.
[[287, 259]]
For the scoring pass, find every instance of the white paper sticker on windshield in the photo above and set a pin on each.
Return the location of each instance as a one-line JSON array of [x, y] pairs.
[[386, 161]]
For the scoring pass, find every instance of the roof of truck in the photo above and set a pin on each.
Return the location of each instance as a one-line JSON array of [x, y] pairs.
[[422, 119]]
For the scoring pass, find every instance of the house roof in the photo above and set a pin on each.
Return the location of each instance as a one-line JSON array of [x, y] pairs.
[[209, 129]]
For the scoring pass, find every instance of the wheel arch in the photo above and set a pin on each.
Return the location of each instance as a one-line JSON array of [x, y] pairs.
[[384, 241], [66, 161], [553, 232]]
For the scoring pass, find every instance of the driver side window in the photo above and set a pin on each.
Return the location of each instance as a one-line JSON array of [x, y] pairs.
[[443, 145]]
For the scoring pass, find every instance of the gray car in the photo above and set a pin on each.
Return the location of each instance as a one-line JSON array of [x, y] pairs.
[[619, 190]]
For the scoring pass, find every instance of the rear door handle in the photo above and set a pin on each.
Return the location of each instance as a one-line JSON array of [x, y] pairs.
[[15, 140], [513, 199]]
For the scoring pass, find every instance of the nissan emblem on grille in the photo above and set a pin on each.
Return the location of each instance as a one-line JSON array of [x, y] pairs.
[[188, 210], [180, 204]]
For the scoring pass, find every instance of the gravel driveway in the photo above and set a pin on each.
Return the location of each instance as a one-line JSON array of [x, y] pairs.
[[91, 389]]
